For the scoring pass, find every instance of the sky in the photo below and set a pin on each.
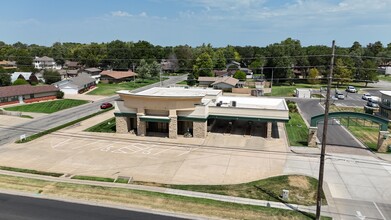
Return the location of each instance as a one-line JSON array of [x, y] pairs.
[[193, 22]]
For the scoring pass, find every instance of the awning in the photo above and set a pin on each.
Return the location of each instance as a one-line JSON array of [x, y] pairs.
[[149, 118]]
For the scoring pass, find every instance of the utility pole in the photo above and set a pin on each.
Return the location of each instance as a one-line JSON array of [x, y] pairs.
[[271, 83], [324, 136]]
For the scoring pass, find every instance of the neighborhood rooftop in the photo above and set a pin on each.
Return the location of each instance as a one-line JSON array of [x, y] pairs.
[[118, 74], [8, 91]]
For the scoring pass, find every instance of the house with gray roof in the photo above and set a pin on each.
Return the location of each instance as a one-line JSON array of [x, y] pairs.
[[79, 84]]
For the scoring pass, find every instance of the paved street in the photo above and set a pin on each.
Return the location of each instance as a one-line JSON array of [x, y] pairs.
[[14, 207], [337, 135]]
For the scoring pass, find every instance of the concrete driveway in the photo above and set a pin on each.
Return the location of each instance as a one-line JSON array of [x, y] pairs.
[[357, 185], [219, 159]]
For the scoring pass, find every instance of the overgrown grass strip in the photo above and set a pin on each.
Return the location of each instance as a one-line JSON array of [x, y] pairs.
[[93, 178], [42, 133], [20, 170]]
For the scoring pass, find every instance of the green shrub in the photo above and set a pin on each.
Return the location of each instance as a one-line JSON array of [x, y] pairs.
[[60, 94]]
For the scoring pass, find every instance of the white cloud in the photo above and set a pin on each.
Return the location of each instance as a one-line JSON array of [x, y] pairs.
[[120, 14]]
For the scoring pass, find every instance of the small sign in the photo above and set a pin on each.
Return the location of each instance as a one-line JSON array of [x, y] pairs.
[[23, 136]]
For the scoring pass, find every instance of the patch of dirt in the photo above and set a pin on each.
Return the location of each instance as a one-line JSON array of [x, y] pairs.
[[299, 182]]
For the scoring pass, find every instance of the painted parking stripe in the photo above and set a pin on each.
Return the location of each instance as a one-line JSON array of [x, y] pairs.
[[379, 211]]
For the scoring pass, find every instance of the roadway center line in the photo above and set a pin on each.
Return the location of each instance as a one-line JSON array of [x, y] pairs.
[[379, 211]]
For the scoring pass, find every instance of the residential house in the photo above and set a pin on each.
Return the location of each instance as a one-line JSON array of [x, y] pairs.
[[110, 76], [75, 85], [168, 66], [26, 94], [72, 65], [28, 76], [5, 64], [45, 63], [221, 73], [224, 83], [233, 66], [94, 73]]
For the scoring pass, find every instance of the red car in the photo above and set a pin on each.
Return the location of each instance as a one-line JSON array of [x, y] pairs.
[[106, 105]]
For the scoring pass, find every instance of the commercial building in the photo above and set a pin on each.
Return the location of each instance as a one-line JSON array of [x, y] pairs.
[[176, 111], [26, 94], [385, 104]]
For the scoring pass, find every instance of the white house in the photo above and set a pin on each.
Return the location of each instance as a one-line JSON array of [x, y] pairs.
[[75, 85], [45, 63]]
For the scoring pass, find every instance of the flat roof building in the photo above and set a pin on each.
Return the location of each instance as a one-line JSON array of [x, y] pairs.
[[177, 111]]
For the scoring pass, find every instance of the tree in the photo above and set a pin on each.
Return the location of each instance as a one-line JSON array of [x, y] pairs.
[[191, 81], [219, 60], [20, 82], [313, 76], [154, 69], [5, 79], [143, 70], [203, 66], [342, 73], [231, 54], [51, 76], [240, 75], [184, 54], [369, 72], [257, 65]]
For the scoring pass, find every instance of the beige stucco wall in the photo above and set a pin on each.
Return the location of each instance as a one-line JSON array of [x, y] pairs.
[[242, 112], [159, 103]]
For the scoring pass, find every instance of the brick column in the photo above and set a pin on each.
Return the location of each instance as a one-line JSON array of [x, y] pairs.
[[268, 130], [141, 126], [312, 134], [173, 127], [383, 141], [200, 129], [122, 124]]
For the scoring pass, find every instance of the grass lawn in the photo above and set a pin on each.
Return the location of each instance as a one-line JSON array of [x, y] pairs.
[[93, 178], [48, 107], [302, 189], [385, 78], [288, 91], [149, 200], [107, 126], [297, 130], [110, 89], [184, 82]]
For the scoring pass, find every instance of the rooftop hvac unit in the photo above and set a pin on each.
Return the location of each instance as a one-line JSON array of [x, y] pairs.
[[218, 104], [233, 103]]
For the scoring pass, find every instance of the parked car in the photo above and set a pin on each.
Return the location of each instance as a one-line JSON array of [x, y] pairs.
[[366, 96], [351, 89], [372, 104], [374, 99], [106, 105], [339, 95]]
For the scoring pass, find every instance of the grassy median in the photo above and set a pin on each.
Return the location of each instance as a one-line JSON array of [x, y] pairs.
[[107, 89], [48, 107], [149, 200]]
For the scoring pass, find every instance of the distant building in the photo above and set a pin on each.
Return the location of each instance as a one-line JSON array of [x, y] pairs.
[[5, 64], [111, 76], [45, 63], [224, 83], [385, 104], [26, 94], [76, 85], [72, 65], [28, 76], [168, 66]]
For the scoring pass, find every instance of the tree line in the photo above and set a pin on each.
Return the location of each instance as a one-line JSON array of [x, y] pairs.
[[279, 59]]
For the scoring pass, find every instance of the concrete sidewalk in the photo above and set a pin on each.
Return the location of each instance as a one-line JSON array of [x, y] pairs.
[[222, 198]]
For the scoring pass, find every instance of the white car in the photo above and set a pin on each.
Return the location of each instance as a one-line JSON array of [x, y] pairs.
[[339, 95], [366, 96], [374, 99], [351, 89]]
